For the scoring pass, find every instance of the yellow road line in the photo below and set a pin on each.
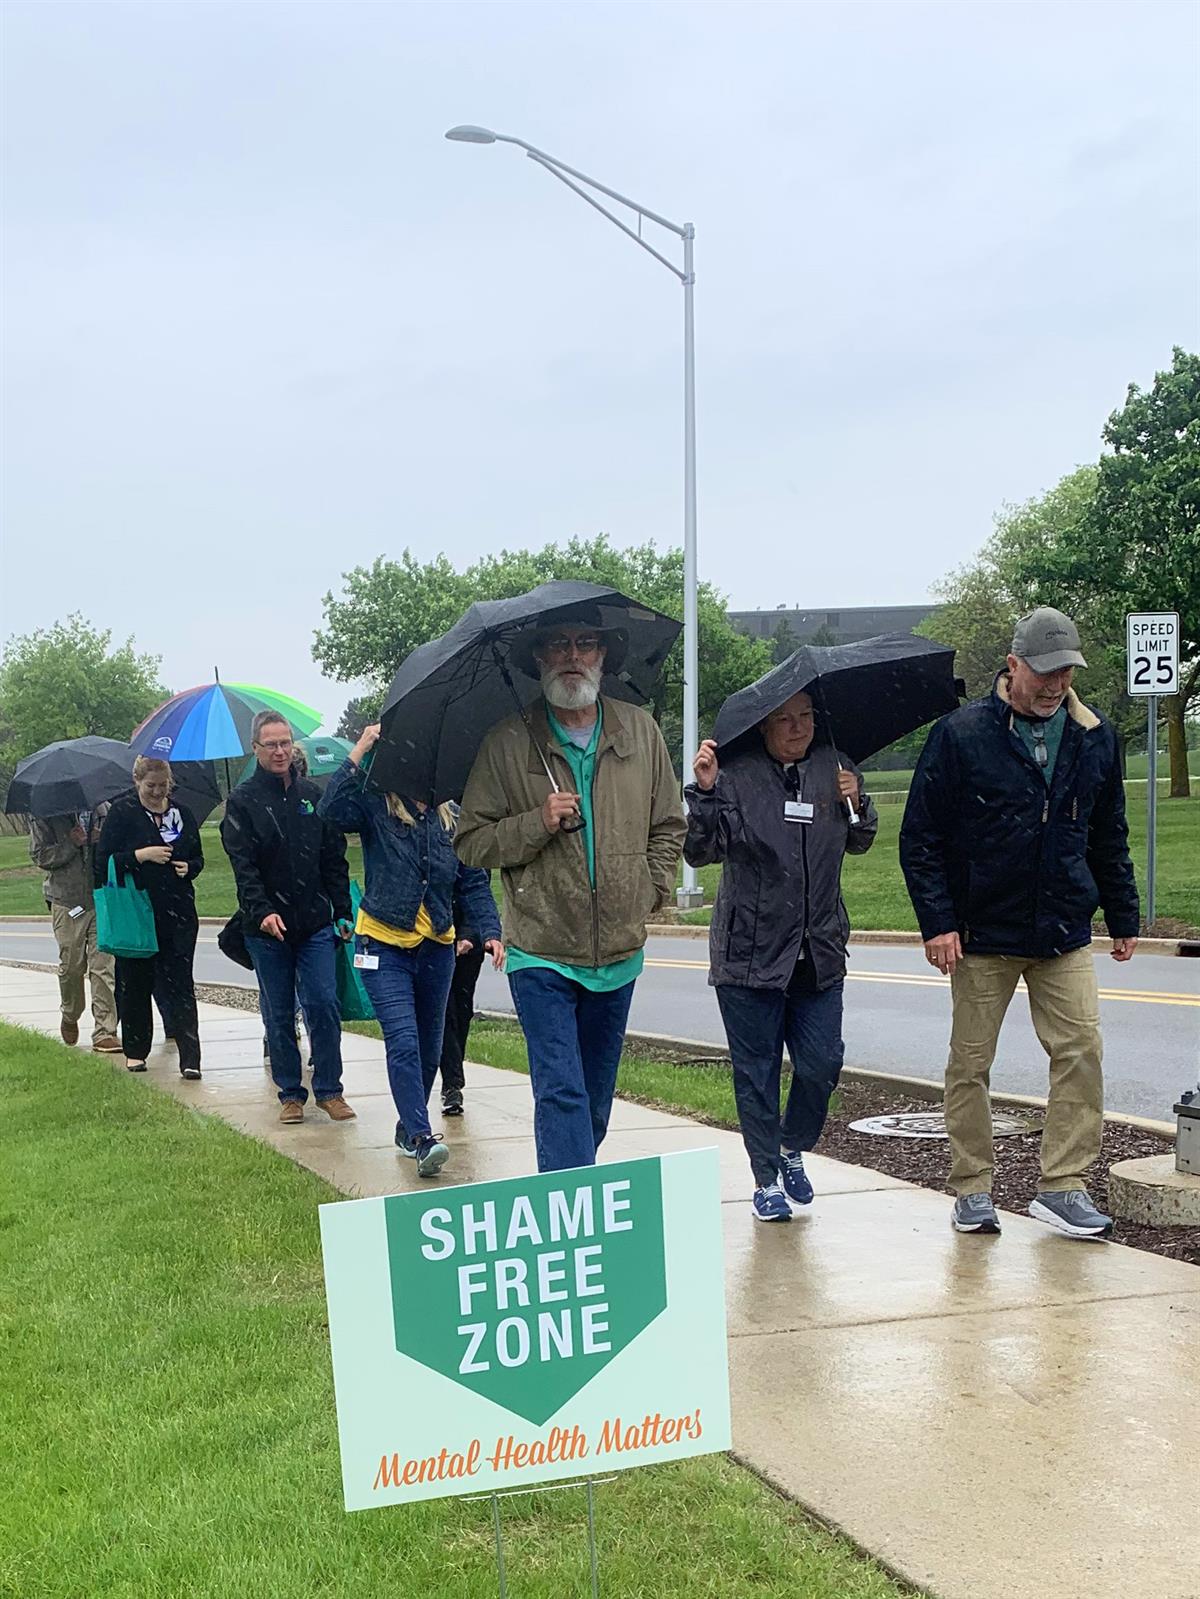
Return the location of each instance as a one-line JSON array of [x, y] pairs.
[[1136, 996]]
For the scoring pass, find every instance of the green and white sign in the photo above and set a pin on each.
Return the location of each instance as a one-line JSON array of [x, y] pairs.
[[502, 1334]]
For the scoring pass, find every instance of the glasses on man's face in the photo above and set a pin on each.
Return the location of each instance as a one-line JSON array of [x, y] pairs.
[[560, 644], [274, 744]]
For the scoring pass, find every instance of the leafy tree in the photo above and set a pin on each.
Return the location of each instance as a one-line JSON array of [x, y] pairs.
[[66, 681], [359, 712], [389, 608], [785, 641], [824, 636]]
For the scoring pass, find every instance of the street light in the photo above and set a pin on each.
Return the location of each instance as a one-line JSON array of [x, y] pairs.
[[689, 895]]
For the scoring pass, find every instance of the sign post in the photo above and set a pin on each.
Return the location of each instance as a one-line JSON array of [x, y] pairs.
[[496, 1336], [1152, 668]]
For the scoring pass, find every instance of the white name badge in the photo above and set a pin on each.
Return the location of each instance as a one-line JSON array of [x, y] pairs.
[[366, 963], [76, 910], [797, 811]]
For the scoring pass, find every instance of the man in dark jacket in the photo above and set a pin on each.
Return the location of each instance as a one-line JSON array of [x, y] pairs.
[[778, 814], [293, 885], [1013, 836]]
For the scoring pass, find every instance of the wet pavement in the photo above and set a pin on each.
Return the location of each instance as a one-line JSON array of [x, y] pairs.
[[997, 1418]]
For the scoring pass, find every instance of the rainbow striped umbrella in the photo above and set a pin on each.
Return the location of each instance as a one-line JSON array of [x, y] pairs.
[[212, 722]]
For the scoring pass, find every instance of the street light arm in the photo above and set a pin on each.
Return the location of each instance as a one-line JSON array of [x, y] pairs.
[[553, 167], [622, 199]]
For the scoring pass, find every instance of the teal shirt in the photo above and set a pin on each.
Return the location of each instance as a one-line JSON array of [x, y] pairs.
[[1052, 729], [599, 979]]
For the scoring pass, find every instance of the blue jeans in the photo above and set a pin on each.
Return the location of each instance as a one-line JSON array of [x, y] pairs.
[[283, 968], [574, 1038], [409, 989], [758, 1022]]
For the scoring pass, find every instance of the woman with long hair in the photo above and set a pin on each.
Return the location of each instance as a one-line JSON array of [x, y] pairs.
[[157, 844], [406, 936]]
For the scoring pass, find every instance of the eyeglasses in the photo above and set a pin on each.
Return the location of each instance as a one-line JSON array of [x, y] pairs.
[[273, 744], [560, 644]]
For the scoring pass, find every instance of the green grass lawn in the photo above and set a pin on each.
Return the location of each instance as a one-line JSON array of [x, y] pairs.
[[169, 1424]]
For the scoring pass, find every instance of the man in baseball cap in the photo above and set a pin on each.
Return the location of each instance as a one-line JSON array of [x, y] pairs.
[[1013, 837]]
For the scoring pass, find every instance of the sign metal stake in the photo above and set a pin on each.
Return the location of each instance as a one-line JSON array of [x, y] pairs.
[[1151, 803], [520, 1493], [499, 1546], [591, 1509]]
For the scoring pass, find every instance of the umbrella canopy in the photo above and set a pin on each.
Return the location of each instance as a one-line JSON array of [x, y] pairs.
[[213, 722], [324, 754], [449, 692], [866, 695], [77, 774]]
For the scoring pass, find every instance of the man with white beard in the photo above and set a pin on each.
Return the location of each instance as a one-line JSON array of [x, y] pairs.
[[585, 863]]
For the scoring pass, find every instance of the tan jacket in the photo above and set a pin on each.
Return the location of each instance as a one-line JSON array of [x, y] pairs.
[[550, 908], [68, 865]]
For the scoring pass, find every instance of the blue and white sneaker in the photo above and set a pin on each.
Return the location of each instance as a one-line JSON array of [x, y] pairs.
[[406, 1145], [431, 1155], [795, 1179], [1070, 1211], [770, 1204]]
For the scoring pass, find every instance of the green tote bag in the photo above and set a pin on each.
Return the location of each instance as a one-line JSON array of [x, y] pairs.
[[124, 918], [351, 992]]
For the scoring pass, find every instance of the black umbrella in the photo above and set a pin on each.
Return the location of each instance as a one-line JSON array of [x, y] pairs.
[[866, 695], [77, 774], [449, 692]]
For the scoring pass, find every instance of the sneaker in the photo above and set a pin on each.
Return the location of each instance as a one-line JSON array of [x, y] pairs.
[[770, 1204], [795, 1179], [975, 1213], [292, 1110], [1070, 1211], [190, 1074], [452, 1102], [431, 1155], [69, 1031], [406, 1145], [106, 1044], [336, 1108]]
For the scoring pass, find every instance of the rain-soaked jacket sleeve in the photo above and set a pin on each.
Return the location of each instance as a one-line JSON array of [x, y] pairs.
[[667, 829], [860, 836], [1108, 856], [474, 905], [931, 817], [50, 846], [713, 822], [343, 802], [237, 835], [487, 834]]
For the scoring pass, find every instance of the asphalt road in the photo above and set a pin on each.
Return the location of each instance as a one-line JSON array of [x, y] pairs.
[[897, 1013]]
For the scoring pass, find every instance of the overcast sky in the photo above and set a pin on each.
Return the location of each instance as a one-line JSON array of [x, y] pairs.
[[264, 324]]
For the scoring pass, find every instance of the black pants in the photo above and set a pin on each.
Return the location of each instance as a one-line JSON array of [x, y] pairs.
[[170, 973], [460, 1008]]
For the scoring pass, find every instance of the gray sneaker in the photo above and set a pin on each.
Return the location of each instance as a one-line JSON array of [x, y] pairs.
[[975, 1213], [1070, 1211]]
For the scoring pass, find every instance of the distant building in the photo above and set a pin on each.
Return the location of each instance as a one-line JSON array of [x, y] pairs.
[[845, 626]]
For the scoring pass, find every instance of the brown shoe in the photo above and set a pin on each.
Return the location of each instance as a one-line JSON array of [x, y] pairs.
[[291, 1111], [106, 1044], [337, 1109], [69, 1031]]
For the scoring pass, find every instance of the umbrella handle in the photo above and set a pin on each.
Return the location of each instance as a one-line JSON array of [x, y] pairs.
[[854, 816]]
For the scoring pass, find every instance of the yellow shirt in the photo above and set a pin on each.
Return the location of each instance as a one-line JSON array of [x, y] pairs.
[[397, 935]]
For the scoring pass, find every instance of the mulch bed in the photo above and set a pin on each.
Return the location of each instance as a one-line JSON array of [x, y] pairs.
[[926, 1161]]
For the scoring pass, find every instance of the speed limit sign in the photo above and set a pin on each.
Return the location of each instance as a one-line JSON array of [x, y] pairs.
[[1152, 649]]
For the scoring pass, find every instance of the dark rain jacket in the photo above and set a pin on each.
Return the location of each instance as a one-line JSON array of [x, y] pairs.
[[781, 887], [127, 829], [408, 865], [1011, 865], [286, 858]]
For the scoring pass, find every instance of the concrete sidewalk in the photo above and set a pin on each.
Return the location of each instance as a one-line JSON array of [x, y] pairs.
[[996, 1418]]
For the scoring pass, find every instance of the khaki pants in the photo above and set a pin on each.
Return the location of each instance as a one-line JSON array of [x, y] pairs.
[[78, 957], [1065, 1008]]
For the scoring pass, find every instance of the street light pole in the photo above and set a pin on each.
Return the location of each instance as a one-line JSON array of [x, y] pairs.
[[689, 895]]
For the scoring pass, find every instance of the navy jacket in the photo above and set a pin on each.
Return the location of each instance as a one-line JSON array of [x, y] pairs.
[[409, 865], [285, 858], [1014, 867]]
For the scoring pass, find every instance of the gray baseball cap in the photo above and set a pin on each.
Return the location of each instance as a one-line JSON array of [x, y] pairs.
[[1047, 640]]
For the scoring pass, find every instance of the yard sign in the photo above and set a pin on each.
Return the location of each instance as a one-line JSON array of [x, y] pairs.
[[498, 1335]]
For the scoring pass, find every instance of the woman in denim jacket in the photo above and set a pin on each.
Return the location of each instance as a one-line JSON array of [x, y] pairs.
[[406, 933]]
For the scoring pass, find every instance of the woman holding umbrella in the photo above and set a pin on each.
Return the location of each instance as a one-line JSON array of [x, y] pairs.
[[158, 844], [406, 935]]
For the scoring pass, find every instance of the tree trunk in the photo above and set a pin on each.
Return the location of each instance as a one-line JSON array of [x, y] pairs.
[[1181, 787]]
